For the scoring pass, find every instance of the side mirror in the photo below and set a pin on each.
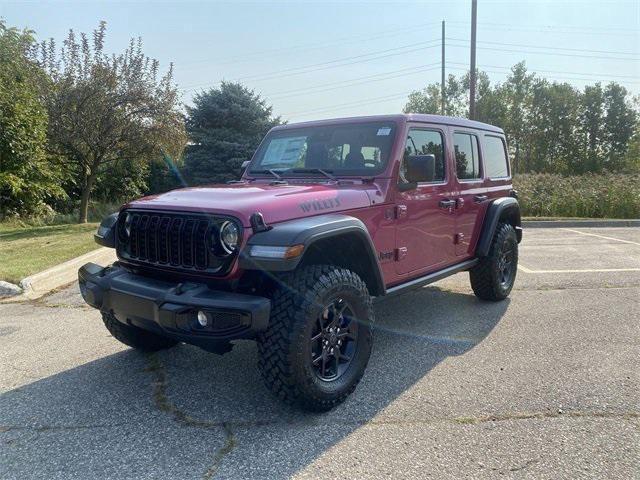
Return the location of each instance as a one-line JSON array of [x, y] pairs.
[[244, 166], [420, 168]]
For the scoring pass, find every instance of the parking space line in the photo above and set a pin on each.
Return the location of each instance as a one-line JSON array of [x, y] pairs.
[[589, 270], [601, 236]]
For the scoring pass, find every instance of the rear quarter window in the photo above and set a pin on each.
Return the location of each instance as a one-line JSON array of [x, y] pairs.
[[495, 157]]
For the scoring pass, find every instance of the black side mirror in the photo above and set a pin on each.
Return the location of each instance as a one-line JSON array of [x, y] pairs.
[[420, 168]]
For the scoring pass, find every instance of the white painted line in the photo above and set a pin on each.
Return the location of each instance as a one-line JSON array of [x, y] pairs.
[[601, 236], [590, 270]]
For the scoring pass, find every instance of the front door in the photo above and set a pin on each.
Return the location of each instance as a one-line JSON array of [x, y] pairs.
[[425, 215], [471, 197]]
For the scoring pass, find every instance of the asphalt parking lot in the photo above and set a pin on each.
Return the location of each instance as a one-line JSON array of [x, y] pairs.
[[543, 385]]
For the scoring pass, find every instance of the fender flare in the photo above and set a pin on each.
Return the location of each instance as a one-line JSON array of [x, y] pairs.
[[106, 234], [499, 207], [307, 231]]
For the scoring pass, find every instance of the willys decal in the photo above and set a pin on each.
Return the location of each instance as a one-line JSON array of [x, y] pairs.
[[319, 205]]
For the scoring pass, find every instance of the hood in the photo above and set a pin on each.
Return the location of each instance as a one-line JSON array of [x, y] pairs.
[[276, 202]]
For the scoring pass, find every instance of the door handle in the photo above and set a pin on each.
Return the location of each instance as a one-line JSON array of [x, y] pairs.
[[447, 204], [480, 198]]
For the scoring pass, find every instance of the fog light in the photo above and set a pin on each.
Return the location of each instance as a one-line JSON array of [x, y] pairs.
[[203, 319]]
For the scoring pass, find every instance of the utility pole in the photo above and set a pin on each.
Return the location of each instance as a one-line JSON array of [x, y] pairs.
[[472, 71], [444, 101]]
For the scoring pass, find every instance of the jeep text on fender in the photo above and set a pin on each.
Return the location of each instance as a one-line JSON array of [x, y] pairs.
[[326, 216]]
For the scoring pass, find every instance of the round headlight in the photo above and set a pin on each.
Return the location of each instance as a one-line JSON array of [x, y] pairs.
[[229, 236]]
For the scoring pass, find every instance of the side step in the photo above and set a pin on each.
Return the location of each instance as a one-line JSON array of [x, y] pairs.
[[430, 278]]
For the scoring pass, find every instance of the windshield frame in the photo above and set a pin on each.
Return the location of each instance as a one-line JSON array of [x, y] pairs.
[[259, 171]]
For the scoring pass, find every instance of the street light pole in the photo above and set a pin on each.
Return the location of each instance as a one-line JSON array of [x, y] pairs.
[[472, 71], [442, 90]]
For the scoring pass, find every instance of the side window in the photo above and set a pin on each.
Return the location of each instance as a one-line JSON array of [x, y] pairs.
[[467, 158], [425, 142], [495, 157]]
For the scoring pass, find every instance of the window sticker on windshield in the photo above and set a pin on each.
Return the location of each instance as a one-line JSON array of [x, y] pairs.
[[283, 151], [384, 131]]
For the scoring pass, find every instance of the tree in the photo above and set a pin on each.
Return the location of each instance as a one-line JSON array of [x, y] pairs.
[[619, 125], [550, 126], [632, 157], [428, 100], [225, 126], [105, 109], [27, 178]]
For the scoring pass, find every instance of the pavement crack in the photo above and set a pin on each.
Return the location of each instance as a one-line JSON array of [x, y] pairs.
[[524, 465], [229, 445], [162, 403], [543, 415], [58, 428]]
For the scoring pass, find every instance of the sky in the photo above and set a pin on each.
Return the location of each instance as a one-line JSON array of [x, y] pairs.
[[314, 60]]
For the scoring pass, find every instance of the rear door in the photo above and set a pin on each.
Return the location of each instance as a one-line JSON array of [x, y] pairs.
[[471, 191], [426, 215]]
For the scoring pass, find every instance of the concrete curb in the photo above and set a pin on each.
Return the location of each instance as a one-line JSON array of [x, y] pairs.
[[579, 223], [43, 282]]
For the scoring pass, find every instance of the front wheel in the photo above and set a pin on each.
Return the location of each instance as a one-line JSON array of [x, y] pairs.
[[318, 342], [493, 278]]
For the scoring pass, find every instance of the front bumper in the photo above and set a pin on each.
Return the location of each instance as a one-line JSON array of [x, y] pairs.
[[170, 309]]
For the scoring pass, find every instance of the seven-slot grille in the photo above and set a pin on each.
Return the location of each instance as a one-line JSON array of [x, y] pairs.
[[181, 241]]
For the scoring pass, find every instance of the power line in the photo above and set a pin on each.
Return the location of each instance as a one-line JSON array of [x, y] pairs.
[[535, 70], [367, 101], [354, 82], [342, 59], [570, 27], [327, 65], [552, 32], [547, 53], [301, 48], [584, 50]]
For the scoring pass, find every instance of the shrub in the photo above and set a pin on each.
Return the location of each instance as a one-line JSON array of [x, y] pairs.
[[590, 195]]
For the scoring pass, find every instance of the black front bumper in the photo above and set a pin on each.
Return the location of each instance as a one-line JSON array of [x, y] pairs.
[[171, 309]]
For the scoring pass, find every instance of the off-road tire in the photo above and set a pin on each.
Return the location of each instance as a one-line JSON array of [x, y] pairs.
[[285, 350], [486, 276], [135, 337]]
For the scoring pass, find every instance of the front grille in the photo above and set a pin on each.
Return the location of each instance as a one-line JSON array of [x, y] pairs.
[[173, 240]]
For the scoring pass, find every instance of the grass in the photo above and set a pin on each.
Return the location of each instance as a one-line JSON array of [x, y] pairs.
[[28, 250], [604, 195]]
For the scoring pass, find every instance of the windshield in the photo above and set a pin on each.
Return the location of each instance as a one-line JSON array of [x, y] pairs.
[[348, 149]]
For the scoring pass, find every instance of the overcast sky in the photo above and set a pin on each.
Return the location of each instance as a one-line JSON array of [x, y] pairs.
[[326, 59]]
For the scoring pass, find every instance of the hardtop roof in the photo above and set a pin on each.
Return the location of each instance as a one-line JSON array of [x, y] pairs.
[[397, 118]]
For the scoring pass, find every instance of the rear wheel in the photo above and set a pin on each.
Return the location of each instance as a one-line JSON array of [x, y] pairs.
[[493, 278], [318, 342], [135, 337]]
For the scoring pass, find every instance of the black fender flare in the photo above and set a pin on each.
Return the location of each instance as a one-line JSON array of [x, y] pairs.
[[497, 209], [307, 231]]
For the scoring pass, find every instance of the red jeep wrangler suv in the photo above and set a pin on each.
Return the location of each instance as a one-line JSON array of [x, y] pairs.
[[327, 215]]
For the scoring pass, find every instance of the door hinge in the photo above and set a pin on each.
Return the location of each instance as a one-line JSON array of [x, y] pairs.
[[401, 211], [401, 253]]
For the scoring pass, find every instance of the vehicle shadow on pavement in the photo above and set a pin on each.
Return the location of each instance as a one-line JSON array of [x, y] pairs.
[[191, 414]]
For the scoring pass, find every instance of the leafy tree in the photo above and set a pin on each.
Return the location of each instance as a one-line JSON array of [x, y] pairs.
[[27, 178], [429, 100], [551, 127], [225, 125], [592, 126], [632, 157], [619, 125], [108, 110], [517, 98]]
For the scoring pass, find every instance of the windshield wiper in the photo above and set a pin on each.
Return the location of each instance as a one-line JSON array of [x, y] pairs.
[[326, 173], [272, 172]]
